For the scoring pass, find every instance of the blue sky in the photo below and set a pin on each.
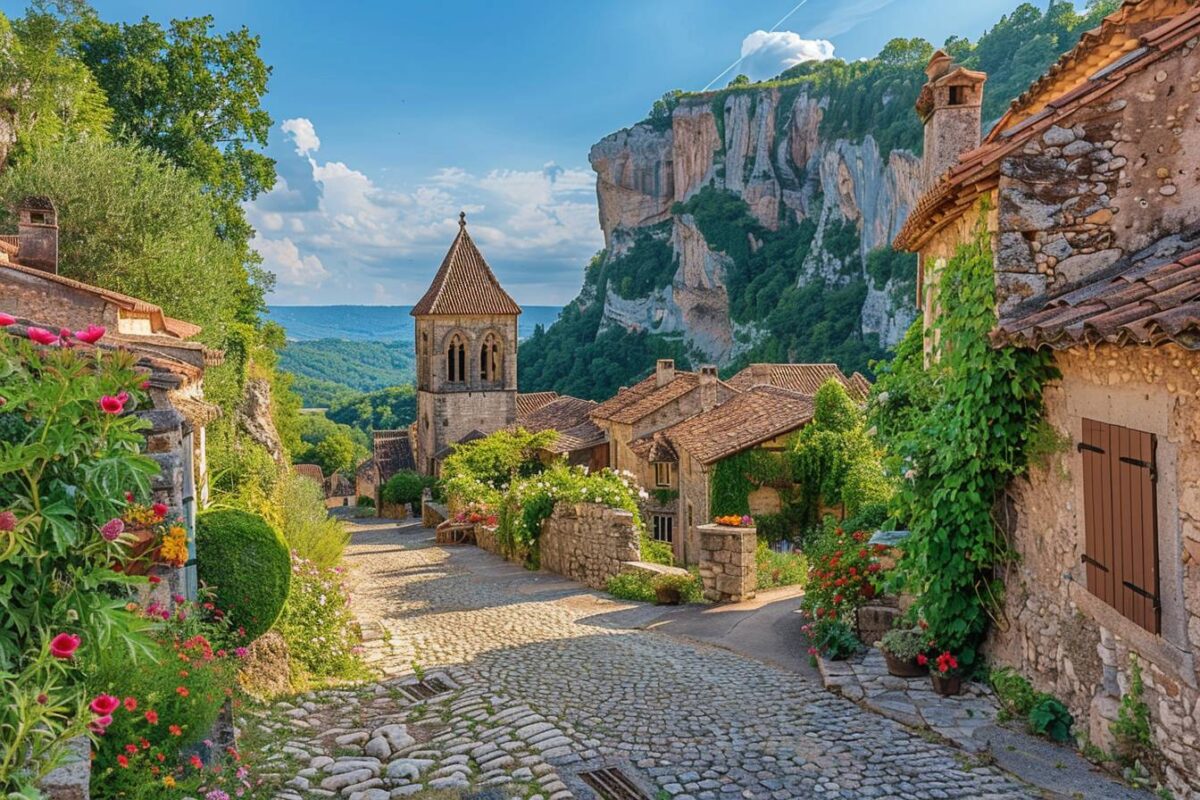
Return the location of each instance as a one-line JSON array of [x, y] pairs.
[[391, 116]]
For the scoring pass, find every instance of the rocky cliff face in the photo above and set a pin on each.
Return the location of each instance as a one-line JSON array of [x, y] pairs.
[[765, 147]]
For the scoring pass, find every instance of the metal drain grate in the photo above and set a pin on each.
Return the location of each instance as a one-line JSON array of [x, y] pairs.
[[423, 690], [610, 783]]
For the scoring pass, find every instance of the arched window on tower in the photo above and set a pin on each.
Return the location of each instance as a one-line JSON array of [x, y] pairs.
[[456, 360], [491, 359]]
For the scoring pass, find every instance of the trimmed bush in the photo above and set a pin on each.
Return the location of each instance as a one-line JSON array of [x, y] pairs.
[[246, 562], [404, 487]]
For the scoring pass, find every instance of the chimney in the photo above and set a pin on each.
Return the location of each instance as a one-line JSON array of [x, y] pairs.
[[951, 106], [708, 387], [664, 371], [37, 234]]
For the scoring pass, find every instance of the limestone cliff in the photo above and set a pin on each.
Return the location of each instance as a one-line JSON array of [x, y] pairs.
[[764, 147]]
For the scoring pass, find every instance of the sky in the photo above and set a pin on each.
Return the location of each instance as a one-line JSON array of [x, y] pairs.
[[391, 117]]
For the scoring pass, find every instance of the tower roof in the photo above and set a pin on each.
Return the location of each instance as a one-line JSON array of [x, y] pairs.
[[465, 284]]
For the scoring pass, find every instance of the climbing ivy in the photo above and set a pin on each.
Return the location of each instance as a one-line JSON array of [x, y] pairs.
[[734, 478], [957, 433]]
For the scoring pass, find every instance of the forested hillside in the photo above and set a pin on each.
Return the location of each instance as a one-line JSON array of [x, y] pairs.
[[754, 223]]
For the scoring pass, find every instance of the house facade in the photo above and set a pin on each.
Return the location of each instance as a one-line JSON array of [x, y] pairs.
[[466, 339], [1087, 188]]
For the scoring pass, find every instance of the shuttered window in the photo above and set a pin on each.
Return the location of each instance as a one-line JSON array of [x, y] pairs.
[[1120, 517]]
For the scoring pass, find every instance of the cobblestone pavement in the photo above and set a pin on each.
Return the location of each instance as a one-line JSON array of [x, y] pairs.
[[534, 679]]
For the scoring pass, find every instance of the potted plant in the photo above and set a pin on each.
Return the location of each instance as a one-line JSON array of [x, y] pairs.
[[943, 672], [901, 647], [669, 589]]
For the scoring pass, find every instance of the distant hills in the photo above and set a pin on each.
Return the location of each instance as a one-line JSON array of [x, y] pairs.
[[376, 323]]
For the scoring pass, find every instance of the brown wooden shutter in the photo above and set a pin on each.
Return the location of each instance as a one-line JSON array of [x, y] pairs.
[[1120, 520]]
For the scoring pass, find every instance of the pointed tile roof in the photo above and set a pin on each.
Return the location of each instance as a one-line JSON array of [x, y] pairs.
[[465, 284]]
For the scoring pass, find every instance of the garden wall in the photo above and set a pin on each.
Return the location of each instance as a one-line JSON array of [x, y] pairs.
[[728, 568], [589, 543]]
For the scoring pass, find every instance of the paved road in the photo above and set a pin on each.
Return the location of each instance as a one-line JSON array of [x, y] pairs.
[[545, 679]]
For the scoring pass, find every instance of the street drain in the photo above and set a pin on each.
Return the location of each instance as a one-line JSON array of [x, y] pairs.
[[423, 690], [610, 783]]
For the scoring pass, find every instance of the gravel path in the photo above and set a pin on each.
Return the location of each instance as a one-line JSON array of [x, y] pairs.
[[534, 679]]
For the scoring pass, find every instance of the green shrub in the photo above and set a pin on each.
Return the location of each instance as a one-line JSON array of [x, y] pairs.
[[365, 502], [1131, 728], [405, 487], [246, 562], [688, 586], [321, 633], [1013, 691], [905, 643], [656, 552], [631, 586], [305, 522], [1050, 718], [834, 638], [780, 569]]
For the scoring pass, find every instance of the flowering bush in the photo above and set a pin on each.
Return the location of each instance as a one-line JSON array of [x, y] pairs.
[[842, 567], [317, 623], [67, 454], [945, 664]]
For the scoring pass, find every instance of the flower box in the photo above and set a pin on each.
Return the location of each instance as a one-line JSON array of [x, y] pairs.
[[142, 551], [903, 667]]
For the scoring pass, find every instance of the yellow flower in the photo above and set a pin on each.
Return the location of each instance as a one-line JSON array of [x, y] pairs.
[[169, 781]]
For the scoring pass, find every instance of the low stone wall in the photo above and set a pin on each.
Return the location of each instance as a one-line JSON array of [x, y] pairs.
[[728, 569], [588, 542]]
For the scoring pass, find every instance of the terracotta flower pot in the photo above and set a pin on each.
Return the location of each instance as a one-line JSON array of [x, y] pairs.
[[946, 685], [140, 552], [903, 668], [666, 596]]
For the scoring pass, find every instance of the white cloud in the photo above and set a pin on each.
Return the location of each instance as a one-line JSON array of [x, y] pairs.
[[303, 134], [765, 55], [537, 227]]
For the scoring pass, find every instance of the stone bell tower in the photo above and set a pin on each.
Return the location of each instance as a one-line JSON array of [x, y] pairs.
[[466, 335], [951, 107]]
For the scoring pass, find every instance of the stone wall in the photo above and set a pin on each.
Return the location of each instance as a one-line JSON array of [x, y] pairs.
[[588, 542], [728, 569], [1056, 632]]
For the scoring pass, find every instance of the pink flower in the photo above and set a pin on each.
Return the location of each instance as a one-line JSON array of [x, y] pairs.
[[100, 724], [8, 521], [64, 646], [104, 704], [112, 529], [241, 652], [91, 334], [130, 704], [41, 335], [6, 320], [112, 405]]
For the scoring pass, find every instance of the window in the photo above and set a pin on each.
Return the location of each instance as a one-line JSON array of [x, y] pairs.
[[1120, 520], [664, 528], [456, 360], [662, 473], [958, 95], [491, 359]]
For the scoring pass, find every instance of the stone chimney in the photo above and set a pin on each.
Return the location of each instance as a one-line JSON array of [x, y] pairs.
[[708, 387], [951, 106], [664, 371], [37, 234]]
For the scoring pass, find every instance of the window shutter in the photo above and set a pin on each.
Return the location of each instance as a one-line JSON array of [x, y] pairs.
[[1120, 520]]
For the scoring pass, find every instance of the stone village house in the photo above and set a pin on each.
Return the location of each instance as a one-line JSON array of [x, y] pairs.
[[1092, 185], [32, 291]]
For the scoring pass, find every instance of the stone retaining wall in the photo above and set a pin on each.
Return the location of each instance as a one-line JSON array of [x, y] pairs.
[[728, 568], [589, 543]]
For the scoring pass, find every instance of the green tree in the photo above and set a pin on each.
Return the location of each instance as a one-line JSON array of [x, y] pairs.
[[191, 94], [336, 453], [48, 94]]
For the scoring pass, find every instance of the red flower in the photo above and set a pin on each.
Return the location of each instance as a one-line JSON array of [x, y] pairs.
[[161, 758], [131, 748], [41, 335], [6, 320], [129, 497], [154, 579], [159, 509], [64, 646], [112, 405], [946, 662], [152, 717], [144, 743], [8, 521], [91, 334], [196, 762], [130, 704], [104, 704], [122, 761], [175, 730], [922, 659], [42, 699], [837, 598]]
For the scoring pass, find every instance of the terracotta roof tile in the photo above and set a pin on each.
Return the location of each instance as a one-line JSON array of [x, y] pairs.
[[802, 378], [310, 471], [465, 284], [646, 397], [570, 416], [741, 422], [392, 453], [1144, 304], [529, 402], [655, 448]]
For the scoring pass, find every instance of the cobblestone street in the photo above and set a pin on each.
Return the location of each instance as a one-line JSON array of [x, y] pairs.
[[535, 679]]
